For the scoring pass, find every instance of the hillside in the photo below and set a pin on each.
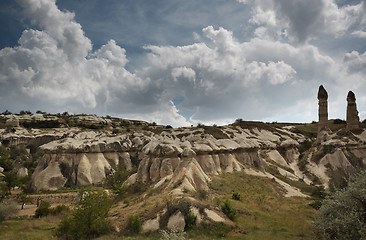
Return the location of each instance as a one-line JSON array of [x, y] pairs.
[[162, 174]]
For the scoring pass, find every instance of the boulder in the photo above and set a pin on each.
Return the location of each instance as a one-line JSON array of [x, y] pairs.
[[151, 225], [22, 172], [213, 216], [176, 222]]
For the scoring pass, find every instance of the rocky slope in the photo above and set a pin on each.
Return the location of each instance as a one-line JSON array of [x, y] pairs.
[[187, 157], [83, 150]]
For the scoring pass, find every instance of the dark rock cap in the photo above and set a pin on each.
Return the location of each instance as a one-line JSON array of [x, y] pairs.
[[322, 93], [351, 96]]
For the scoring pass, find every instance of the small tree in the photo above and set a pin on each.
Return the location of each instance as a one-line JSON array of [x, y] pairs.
[[190, 220], [228, 210], [43, 209], [135, 224], [23, 199], [342, 214], [89, 219], [236, 195]]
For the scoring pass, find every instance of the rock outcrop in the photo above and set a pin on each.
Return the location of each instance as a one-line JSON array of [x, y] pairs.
[[352, 113], [184, 159], [323, 108]]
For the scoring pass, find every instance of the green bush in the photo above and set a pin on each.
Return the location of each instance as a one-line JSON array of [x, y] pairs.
[[318, 192], [134, 224], [89, 219], [7, 208], [342, 214], [316, 204], [190, 220], [43, 209], [236, 196], [304, 146], [228, 210], [6, 163], [59, 209]]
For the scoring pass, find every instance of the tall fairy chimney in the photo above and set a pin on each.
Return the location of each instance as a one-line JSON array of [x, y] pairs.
[[352, 113], [323, 108]]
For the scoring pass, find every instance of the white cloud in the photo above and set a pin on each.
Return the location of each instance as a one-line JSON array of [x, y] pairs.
[[302, 20], [359, 33], [224, 78], [60, 26], [56, 64], [185, 72], [240, 79]]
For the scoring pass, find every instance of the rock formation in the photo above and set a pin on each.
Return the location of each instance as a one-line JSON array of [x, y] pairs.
[[323, 108], [352, 113]]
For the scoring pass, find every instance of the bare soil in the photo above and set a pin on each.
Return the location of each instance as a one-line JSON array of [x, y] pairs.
[[54, 199]]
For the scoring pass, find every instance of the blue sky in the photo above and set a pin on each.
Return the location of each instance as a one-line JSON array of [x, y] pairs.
[[183, 62]]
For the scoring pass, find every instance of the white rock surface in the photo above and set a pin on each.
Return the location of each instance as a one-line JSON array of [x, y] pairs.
[[176, 222], [213, 216]]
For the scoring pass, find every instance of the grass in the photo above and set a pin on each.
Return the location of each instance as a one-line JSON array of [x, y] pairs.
[[29, 228], [263, 213]]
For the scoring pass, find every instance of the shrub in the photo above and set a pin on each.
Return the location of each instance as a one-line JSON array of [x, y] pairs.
[[316, 204], [172, 235], [236, 196], [318, 192], [342, 214], [7, 208], [43, 209], [59, 209], [304, 146], [135, 224], [190, 220], [228, 210], [89, 219], [201, 194], [339, 121]]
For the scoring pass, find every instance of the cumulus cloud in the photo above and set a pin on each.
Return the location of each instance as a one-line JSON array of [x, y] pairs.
[[300, 21], [242, 79], [220, 78]]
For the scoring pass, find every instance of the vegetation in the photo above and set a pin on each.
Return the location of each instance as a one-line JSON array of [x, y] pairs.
[[263, 212], [42, 124], [115, 180], [7, 208], [190, 220], [11, 159], [236, 195], [43, 209], [228, 210], [29, 229], [89, 219], [342, 215], [134, 224]]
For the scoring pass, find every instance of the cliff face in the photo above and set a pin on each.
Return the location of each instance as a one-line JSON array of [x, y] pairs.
[[188, 158]]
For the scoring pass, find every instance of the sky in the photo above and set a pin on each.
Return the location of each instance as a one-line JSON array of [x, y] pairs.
[[183, 62]]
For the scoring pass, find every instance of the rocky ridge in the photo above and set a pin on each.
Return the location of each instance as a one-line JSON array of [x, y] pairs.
[[176, 161]]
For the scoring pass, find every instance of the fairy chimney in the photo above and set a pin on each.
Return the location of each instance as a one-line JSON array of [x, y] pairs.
[[323, 108], [352, 113]]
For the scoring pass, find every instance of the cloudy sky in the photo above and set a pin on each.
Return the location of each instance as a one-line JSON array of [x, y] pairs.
[[183, 62]]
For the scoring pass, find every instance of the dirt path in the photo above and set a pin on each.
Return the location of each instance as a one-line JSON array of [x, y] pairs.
[[54, 199]]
